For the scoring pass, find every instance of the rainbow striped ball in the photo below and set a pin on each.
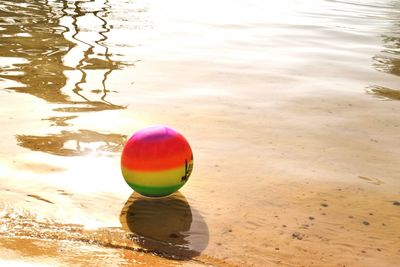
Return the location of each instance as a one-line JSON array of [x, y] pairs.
[[156, 161]]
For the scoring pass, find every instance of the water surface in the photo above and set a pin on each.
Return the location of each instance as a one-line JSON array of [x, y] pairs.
[[291, 109]]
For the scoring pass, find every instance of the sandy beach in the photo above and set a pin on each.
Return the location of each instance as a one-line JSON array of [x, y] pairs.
[[291, 109]]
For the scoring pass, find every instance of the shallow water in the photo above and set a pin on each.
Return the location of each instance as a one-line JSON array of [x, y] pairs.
[[291, 109]]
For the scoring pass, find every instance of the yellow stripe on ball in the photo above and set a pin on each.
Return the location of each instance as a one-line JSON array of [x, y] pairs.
[[168, 177]]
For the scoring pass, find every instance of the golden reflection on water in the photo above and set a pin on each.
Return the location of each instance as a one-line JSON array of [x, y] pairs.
[[52, 55], [385, 92], [56, 144], [388, 60]]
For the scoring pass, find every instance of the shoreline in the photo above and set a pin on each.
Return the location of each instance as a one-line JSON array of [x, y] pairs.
[[321, 224]]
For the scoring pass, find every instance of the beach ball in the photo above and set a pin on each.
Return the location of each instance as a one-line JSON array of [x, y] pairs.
[[156, 161]]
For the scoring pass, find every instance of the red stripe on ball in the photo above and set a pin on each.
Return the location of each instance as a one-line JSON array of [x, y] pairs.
[[156, 148]]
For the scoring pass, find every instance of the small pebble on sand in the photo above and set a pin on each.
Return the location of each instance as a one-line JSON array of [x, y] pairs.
[[297, 235]]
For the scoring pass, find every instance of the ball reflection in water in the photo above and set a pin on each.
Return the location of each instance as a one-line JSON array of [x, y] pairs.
[[167, 225]]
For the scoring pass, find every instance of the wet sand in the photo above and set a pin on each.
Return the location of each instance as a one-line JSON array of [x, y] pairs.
[[291, 110]]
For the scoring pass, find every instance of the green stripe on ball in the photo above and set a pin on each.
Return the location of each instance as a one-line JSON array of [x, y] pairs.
[[155, 191]]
